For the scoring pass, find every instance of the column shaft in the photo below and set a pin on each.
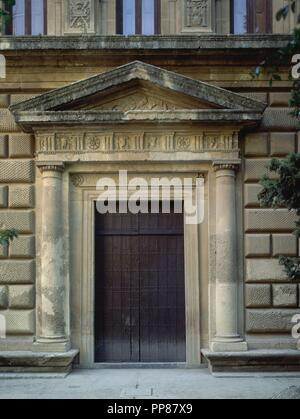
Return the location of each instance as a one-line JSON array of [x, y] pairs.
[[227, 334], [52, 292]]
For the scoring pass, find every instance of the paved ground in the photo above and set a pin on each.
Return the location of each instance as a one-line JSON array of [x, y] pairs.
[[148, 383]]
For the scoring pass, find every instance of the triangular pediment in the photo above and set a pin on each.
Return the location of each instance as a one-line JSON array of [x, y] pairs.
[[138, 86]]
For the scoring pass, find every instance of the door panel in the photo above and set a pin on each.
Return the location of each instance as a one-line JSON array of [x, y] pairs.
[[140, 294]]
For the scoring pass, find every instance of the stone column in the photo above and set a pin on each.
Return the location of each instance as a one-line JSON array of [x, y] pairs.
[[52, 333], [227, 336]]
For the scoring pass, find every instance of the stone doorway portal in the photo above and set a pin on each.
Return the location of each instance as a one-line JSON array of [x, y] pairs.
[[139, 288]]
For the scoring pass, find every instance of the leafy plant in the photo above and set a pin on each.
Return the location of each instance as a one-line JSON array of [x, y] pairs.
[[5, 15], [6, 236], [284, 190]]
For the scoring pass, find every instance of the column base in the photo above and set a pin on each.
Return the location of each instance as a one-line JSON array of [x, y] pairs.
[[50, 346], [229, 346], [24, 362], [253, 361]]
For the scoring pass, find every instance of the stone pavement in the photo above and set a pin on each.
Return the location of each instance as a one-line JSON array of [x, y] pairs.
[[149, 383]]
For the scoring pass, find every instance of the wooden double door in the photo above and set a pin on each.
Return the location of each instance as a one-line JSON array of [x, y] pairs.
[[140, 288]]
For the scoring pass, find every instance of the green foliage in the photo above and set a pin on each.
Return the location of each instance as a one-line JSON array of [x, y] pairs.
[[5, 16], [6, 236], [284, 191], [282, 58]]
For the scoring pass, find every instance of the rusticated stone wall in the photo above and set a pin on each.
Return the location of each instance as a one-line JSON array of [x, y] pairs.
[[17, 202], [271, 299]]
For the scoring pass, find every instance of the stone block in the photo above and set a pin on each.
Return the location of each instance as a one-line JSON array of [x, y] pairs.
[[22, 247], [262, 270], [22, 221], [17, 272], [285, 295], [13, 171], [4, 101], [269, 220], [282, 144], [279, 119], [251, 195], [257, 145], [20, 322], [14, 99], [255, 169], [281, 99], [7, 122], [20, 145], [21, 196], [21, 297], [3, 146], [3, 297], [284, 244], [3, 196], [258, 295], [258, 245], [3, 252], [270, 320]]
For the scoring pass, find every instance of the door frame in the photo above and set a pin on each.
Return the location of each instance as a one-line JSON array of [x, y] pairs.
[[84, 324]]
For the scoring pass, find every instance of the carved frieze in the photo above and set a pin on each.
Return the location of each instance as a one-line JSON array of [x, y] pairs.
[[137, 142]]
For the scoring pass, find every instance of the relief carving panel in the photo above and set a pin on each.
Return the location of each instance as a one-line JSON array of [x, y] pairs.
[[198, 15], [79, 16], [137, 142]]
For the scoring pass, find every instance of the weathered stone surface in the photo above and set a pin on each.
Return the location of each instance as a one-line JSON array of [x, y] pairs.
[[20, 145], [197, 43], [258, 245], [22, 247], [3, 196], [284, 244], [17, 272], [21, 297], [257, 144], [4, 101], [22, 221], [258, 295], [270, 321], [3, 252], [251, 195], [285, 295], [3, 297], [20, 361], [255, 169], [279, 119], [21, 196], [14, 99], [20, 322], [280, 99], [260, 361], [282, 143], [142, 71], [17, 171], [3, 146], [7, 122], [269, 219], [261, 270]]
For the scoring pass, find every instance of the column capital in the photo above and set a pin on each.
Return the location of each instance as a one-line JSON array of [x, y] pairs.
[[226, 165], [51, 167]]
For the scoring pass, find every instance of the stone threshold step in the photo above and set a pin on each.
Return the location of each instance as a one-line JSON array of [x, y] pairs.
[[255, 361]]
